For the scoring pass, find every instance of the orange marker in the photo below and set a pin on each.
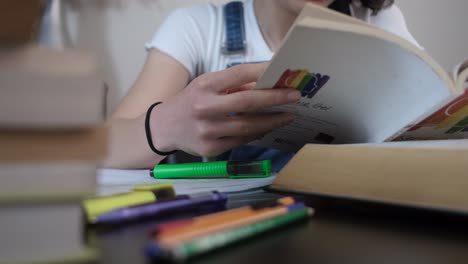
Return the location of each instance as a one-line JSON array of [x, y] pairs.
[[219, 221]]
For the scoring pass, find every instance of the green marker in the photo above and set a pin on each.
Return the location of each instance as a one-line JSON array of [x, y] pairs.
[[216, 169], [214, 241]]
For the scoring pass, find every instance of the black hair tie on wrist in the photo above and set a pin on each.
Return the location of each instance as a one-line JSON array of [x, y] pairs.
[[148, 133]]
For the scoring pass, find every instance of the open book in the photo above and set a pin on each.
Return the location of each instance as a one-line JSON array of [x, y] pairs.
[[361, 84]]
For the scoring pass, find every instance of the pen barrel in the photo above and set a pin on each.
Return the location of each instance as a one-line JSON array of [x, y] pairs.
[[96, 206], [154, 209], [176, 205], [208, 169], [232, 169], [216, 240]]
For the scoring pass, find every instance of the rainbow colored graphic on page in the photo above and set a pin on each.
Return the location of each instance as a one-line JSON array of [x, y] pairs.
[[308, 83], [452, 118]]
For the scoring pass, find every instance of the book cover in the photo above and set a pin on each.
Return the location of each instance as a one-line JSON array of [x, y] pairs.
[[46, 145], [427, 176], [45, 88]]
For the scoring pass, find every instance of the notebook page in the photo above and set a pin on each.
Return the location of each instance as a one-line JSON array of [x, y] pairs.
[[111, 181]]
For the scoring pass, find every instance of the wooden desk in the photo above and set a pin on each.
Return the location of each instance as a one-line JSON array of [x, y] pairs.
[[340, 232]]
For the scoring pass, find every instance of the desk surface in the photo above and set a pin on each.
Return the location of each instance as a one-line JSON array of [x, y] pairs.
[[341, 232]]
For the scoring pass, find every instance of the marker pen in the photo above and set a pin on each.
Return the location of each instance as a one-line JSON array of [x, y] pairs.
[[140, 195], [208, 242], [216, 169], [158, 208]]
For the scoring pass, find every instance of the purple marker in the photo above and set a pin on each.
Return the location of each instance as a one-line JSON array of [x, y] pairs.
[[180, 202]]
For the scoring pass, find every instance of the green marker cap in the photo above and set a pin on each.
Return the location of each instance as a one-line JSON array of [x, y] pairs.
[[217, 169]]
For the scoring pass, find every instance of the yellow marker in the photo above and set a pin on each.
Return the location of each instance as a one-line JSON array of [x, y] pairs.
[[140, 195]]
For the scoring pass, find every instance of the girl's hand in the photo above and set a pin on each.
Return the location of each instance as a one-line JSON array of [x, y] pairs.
[[199, 120]]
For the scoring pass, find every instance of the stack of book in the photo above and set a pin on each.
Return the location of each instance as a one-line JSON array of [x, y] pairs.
[[51, 136]]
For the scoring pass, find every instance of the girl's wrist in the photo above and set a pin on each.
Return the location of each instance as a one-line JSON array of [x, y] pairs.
[[156, 131]]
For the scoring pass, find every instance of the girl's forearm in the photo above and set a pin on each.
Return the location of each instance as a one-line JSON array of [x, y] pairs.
[[128, 147]]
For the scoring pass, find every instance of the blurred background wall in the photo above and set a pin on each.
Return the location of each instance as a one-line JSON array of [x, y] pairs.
[[439, 26], [116, 31]]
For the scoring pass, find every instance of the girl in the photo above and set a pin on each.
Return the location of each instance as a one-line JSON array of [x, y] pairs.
[[186, 69]]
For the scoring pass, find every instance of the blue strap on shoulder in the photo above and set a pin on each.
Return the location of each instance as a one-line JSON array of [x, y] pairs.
[[235, 40], [235, 44]]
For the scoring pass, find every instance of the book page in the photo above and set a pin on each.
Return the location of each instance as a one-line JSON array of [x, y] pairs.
[[358, 85], [112, 181], [317, 12], [422, 144], [462, 75], [459, 70]]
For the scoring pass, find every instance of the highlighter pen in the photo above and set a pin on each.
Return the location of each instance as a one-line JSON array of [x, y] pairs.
[[216, 169], [204, 244], [179, 203], [171, 240], [140, 195], [185, 227]]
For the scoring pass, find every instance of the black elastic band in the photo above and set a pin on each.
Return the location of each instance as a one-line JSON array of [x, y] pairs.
[[148, 132]]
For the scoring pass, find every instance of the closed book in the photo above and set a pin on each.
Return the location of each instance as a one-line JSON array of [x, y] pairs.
[[37, 232], [427, 177], [47, 180], [45, 88], [35, 145]]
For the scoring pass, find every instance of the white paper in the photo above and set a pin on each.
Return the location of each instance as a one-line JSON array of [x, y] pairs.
[[111, 181], [453, 144]]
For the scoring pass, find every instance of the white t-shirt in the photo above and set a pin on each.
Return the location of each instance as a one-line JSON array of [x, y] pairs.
[[194, 35]]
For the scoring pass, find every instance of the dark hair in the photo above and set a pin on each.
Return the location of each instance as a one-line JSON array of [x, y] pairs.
[[374, 5]]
